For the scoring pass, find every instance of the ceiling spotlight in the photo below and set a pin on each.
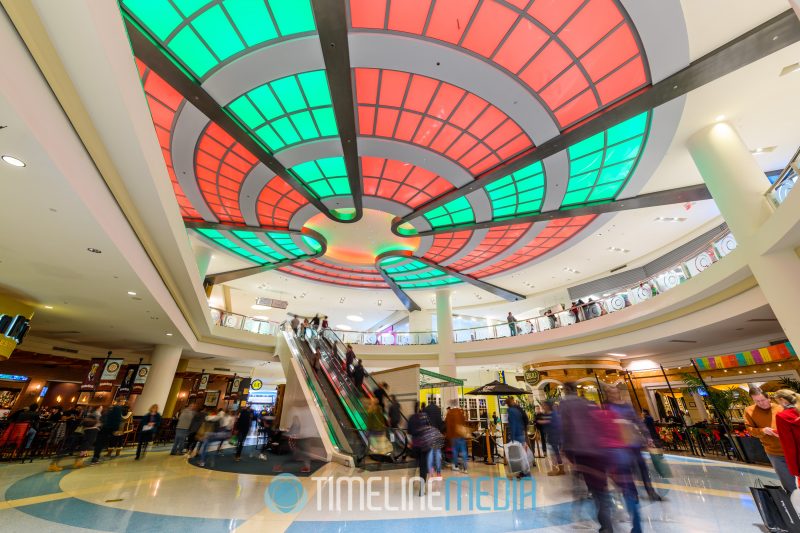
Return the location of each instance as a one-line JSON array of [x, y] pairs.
[[131, 293], [169, 334], [341, 300], [48, 306], [354, 318], [95, 250], [719, 118], [763, 150], [670, 219], [13, 161], [380, 302]]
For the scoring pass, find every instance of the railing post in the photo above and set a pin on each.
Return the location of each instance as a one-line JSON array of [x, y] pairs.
[[680, 413]]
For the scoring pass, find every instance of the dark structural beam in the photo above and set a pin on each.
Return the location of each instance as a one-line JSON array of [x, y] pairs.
[[155, 59], [692, 193], [758, 43], [488, 287], [331, 19]]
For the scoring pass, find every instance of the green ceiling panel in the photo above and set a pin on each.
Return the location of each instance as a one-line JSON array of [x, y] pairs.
[[453, 213], [601, 165], [204, 34], [415, 274], [517, 194], [252, 240], [228, 243], [324, 177], [288, 111]]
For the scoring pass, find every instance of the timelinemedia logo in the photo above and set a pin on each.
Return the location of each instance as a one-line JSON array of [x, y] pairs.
[[287, 494]]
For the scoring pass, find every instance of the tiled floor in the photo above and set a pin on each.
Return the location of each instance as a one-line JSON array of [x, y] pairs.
[[164, 493]]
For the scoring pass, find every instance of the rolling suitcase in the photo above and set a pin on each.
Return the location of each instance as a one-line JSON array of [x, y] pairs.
[[518, 458]]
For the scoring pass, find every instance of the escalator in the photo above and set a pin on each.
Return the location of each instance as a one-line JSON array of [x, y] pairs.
[[345, 403], [346, 431]]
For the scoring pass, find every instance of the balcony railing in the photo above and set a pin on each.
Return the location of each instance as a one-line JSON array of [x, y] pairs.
[[786, 181], [594, 306]]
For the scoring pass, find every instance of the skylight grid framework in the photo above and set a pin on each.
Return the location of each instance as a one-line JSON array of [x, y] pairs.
[[288, 111], [401, 182], [164, 103], [518, 194], [446, 245], [325, 177], [277, 203], [575, 56], [202, 35], [221, 165], [496, 241], [438, 116], [601, 165], [454, 213], [555, 234]]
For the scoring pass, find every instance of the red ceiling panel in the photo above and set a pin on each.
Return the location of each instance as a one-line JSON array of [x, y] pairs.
[[277, 203], [496, 241], [446, 245], [401, 182]]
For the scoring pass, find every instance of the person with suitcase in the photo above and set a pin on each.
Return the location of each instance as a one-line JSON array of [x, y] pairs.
[[519, 456]]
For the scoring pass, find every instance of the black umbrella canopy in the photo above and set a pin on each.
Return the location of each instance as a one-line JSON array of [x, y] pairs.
[[495, 388]]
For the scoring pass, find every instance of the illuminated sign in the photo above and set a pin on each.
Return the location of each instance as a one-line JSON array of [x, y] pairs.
[[12, 377]]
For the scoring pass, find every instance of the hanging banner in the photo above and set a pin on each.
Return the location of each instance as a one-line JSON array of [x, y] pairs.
[[128, 373], [90, 381], [141, 378], [110, 373], [203, 382], [768, 354]]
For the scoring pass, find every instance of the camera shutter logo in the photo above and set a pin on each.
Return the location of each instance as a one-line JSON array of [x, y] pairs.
[[285, 494]]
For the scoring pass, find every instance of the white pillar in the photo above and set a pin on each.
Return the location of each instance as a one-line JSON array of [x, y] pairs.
[[796, 6], [202, 256], [447, 355], [737, 185], [165, 360], [419, 323]]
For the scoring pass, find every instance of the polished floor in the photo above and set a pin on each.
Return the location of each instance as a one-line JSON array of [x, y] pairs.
[[165, 493]]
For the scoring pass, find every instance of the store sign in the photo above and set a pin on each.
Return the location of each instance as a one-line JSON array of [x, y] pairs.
[[12, 377], [532, 377], [256, 385], [141, 378], [12, 331], [127, 380]]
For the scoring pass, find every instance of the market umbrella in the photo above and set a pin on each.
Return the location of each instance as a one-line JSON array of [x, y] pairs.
[[495, 388]]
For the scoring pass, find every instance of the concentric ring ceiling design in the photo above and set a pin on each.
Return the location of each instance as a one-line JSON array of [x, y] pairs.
[[418, 132]]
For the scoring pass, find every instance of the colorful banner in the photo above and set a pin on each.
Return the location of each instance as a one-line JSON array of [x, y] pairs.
[[141, 378], [769, 354], [128, 373], [110, 373], [90, 381]]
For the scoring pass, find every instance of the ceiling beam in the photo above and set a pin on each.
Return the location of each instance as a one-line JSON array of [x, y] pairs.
[[157, 60], [758, 43], [488, 287], [682, 195], [404, 298], [330, 17]]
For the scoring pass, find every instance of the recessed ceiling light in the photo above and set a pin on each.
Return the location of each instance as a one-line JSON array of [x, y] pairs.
[[788, 69], [48, 306], [259, 307], [670, 219], [354, 318], [617, 354], [763, 150], [620, 250], [13, 161], [95, 250], [131, 293], [343, 326], [169, 334], [568, 269], [719, 118]]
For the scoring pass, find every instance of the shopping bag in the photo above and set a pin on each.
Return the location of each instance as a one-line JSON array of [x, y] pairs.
[[659, 463], [234, 440], [791, 520], [767, 508]]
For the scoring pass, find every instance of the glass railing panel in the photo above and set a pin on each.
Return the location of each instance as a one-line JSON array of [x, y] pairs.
[[785, 182]]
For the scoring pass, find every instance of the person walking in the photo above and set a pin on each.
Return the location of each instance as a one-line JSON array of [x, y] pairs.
[[350, 355], [315, 322], [456, 433], [192, 439], [551, 434], [381, 393], [419, 427], [148, 427], [435, 454], [242, 428], [182, 428], [358, 376], [512, 324], [221, 425], [395, 413], [760, 421], [787, 424], [650, 424], [110, 424], [295, 324]]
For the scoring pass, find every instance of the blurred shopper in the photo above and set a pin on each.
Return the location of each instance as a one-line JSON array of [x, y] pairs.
[[358, 376], [650, 424], [788, 429], [419, 427], [182, 428], [148, 428], [350, 355], [376, 428], [221, 425], [512, 324], [79, 441], [324, 324], [295, 324], [760, 420], [395, 412], [110, 424], [301, 432], [315, 322], [457, 433], [517, 422], [539, 421], [381, 393], [551, 430], [435, 454], [192, 439], [242, 428]]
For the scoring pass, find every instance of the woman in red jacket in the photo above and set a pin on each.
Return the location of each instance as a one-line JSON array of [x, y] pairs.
[[787, 423]]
